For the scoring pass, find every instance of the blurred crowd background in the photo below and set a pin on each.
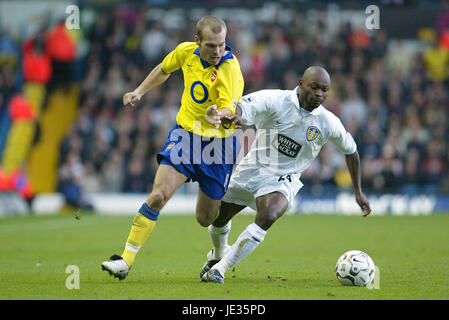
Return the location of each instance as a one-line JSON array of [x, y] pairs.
[[391, 93]]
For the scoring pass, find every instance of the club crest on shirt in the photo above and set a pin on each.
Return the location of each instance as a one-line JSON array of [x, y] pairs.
[[286, 146], [213, 76], [312, 133], [170, 146]]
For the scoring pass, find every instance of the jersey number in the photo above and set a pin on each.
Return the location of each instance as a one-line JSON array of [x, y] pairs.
[[287, 176], [192, 92]]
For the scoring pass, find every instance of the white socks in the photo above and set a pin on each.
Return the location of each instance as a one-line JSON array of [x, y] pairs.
[[219, 237], [246, 243]]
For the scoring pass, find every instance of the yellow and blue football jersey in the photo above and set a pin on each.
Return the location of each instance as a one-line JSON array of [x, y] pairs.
[[205, 85]]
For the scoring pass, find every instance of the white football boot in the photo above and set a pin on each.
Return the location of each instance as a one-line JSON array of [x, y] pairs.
[[116, 267], [213, 275]]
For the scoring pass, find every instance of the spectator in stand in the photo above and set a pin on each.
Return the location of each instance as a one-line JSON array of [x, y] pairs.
[[391, 170], [70, 175], [354, 109], [412, 177], [113, 172], [436, 59], [137, 179], [433, 168]]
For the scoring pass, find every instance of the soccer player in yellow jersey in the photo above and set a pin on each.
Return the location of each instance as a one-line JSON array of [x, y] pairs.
[[195, 150]]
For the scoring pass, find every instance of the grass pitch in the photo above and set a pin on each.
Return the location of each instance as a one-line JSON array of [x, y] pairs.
[[296, 261]]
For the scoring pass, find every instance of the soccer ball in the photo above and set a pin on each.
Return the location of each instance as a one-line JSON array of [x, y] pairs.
[[355, 268]]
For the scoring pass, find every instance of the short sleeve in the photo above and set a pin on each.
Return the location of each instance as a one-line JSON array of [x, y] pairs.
[[341, 138], [174, 60], [254, 105]]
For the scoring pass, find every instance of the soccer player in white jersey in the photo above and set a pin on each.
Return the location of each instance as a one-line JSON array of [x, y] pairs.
[[292, 127]]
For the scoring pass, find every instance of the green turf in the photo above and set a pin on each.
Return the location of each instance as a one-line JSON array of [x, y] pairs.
[[296, 260]]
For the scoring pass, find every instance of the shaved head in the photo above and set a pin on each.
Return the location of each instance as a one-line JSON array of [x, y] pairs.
[[314, 87], [316, 73]]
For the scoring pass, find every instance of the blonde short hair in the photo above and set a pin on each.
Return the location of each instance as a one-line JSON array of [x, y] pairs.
[[215, 24]]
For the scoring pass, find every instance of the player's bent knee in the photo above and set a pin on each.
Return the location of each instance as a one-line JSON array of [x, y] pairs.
[[269, 216], [157, 200], [204, 221]]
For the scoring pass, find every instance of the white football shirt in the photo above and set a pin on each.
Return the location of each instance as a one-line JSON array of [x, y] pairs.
[[288, 138]]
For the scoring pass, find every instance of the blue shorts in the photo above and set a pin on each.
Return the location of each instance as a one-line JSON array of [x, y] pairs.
[[206, 160]]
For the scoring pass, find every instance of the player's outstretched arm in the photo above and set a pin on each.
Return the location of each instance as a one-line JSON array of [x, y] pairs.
[[353, 164], [155, 78]]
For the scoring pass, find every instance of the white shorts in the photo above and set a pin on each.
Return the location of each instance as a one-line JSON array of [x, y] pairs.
[[249, 182]]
